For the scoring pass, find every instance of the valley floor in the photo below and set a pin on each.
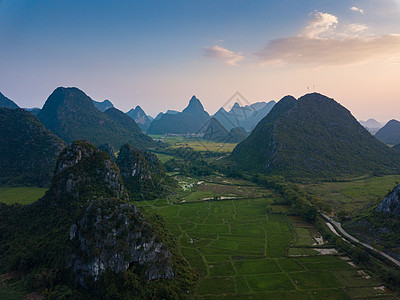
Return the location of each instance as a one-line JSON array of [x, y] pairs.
[[245, 244], [252, 248]]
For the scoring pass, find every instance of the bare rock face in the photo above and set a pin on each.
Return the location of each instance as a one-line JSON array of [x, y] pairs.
[[142, 173], [106, 232], [391, 203], [114, 236]]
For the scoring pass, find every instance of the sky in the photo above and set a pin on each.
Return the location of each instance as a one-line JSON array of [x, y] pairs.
[[157, 54]]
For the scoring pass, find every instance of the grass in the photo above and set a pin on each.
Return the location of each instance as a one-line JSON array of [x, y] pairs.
[[21, 195], [353, 194], [241, 251], [197, 143]]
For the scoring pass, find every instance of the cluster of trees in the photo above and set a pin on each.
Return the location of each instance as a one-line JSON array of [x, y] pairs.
[[363, 256], [307, 205]]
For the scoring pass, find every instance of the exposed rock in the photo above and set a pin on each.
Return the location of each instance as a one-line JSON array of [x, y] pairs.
[[89, 223], [139, 116], [142, 173], [391, 203]]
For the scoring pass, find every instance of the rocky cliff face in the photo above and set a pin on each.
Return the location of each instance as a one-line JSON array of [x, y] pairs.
[[142, 173], [109, 233], [84, 225], [113, 235], [391, 203]]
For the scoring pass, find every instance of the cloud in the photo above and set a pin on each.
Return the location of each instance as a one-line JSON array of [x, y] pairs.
[[324, 43], [353, 8], [227, 56], [321, 23]]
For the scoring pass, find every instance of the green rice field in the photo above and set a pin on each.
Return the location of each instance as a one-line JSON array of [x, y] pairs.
[[242, 252]]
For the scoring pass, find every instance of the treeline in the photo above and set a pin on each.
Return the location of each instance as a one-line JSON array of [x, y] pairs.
[[371, 260], [307, 205]]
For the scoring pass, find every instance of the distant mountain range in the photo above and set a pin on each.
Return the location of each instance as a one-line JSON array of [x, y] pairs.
[[28, 151], [214, 131], [71, 114], [371, 125], [390, 133], [103, 106], [5, 102], [190, 120], [314, 137], [140, 117], [243, 116]]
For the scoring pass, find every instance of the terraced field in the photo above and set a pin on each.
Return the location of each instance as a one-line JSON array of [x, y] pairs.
[[242, 252]]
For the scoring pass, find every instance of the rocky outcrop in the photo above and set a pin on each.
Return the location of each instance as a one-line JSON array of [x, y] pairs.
[[139, 116], [391, 203], [103, 231], [113, 235], [142, 173]]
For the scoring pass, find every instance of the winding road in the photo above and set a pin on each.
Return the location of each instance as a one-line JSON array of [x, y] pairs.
[[352, 238]]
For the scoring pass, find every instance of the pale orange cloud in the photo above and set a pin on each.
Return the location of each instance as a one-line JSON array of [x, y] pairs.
[[323, 43], [227, 56]]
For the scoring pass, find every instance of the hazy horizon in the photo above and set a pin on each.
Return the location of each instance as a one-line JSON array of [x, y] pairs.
[[158, 54]]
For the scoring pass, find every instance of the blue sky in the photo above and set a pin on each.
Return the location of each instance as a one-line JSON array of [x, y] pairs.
[[157, 54]]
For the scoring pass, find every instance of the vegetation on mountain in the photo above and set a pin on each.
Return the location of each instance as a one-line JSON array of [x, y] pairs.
[[390, 133], [84, 239], [5, 102], [314, 137], [397, 147], [190, 120], [103, 105], [380, 223], [143, 174], [140, 117], [28, 151], [70, 113]]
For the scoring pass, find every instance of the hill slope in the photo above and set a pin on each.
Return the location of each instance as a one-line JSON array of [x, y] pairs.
[[139, 116], [84, 233], [314, 137], [28, 151], [5, 102], [190, 120], [390, 133], [70, 113]]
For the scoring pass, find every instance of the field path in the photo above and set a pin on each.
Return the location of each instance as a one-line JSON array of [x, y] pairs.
[[352, 238]]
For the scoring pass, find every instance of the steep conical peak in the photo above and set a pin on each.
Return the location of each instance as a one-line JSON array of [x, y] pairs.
[[62, 96], [313, 137], [194, 106], [138, 110]]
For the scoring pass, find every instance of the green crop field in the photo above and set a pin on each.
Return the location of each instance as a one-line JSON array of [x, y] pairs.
[[22, 195], [247, 248], [242, 252], [355, 194], [197, 143]]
